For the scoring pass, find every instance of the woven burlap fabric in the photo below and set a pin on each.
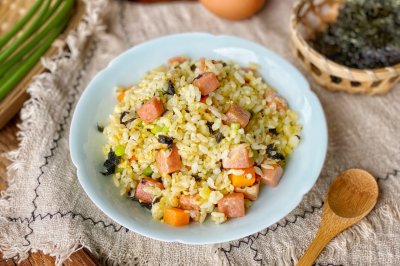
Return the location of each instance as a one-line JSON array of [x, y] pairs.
[[46, 209]]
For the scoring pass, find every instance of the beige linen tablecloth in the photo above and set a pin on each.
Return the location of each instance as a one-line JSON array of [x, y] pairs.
[[45, 207]]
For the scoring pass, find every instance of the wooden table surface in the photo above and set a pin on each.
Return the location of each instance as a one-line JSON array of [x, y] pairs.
[[8, 142]]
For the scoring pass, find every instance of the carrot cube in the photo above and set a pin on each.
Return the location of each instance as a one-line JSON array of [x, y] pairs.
[[121, 96], [176, 217], [243, 180]]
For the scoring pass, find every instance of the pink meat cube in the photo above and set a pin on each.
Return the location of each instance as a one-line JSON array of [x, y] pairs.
[[168, 161], [238, 157], [273, 98], [189, 203], [151, 110], [177, 59], [237, 114], [250, 193], [271, 177], [232, 205], [207, 83], [143, 195]]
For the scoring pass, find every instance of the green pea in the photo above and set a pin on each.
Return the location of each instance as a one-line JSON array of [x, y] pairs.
[[120, 150]]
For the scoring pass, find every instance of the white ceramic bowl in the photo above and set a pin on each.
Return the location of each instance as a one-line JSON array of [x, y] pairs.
[[98, 100]]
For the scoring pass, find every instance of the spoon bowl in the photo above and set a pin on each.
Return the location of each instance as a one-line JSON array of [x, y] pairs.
[[351, 196], [353, 193]]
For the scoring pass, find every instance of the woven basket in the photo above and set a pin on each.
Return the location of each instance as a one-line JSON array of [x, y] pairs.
[[310, 16]]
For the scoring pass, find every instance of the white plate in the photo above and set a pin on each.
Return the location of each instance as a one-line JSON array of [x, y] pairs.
[[98, 101]]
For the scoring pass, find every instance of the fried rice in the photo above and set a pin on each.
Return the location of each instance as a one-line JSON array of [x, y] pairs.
[[197, 126]]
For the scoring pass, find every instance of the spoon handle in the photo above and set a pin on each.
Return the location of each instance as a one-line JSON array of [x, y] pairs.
[[316, 246]]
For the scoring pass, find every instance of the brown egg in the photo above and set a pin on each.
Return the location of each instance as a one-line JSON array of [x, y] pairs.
[[233, 9]]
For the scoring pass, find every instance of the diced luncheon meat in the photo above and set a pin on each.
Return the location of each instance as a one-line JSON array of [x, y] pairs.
[[168, 161], [151, 110], [251, 70], [176, 59], [238, 157], [189, 203], [144, 183], [272, 176], [274, 99], [232, 205], [237, 114], [207, 83], [250, 193]]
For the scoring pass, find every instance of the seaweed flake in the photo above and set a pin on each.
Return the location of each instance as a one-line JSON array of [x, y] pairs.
[[142, 204], [270, 148], [199, 76], [365, 35], [166, 140], [278, 156], [273, 131], [100, 128], [111, 162], [171, 88], [209, 125], [197, 178], [219, 137], [121, 118], [156, 200], [146, 205]]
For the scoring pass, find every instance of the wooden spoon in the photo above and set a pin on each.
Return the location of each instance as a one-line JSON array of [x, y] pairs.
[[350, 198]]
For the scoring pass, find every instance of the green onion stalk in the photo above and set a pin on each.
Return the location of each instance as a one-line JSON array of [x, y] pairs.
[[13, 71], [20, 24], [34, 40], [4, 54]]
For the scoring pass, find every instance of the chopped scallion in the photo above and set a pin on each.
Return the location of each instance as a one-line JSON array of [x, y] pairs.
[[120, 150], [148, 171], [159, 129], [235, 126]]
